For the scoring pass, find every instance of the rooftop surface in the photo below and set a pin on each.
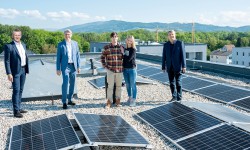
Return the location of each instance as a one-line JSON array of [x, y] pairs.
[[92, 100]]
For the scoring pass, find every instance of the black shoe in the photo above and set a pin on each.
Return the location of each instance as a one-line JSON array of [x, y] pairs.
[[65, 106], [23, 111], [71, 103], [18, 115], [178, 100]]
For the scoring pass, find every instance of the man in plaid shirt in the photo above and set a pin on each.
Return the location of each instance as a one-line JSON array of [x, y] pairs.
[[111, 59]]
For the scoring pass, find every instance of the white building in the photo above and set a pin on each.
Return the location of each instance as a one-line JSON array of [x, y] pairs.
[[220, 56], [241, 56], [223, 55], [193, 51]]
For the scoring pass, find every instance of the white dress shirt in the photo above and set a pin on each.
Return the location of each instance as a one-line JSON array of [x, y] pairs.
[[21, 52], [69, 50]]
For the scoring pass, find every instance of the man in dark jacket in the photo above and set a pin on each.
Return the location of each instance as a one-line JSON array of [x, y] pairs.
[[16, 66], [174, 62]]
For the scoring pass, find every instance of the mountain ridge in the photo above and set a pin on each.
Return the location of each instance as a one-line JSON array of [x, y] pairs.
[[120, 26]]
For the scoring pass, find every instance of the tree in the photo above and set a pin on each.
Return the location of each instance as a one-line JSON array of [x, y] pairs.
[[4, 38]]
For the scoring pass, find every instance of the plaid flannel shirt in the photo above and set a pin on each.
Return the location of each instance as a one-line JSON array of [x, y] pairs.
[[112, 58]]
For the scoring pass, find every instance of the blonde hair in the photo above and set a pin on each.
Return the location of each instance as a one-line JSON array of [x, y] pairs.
[[133, 41]]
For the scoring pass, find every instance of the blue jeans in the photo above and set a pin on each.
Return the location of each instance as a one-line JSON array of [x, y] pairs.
[[69, 77], [130, 80], [18, 84], [175, 80]]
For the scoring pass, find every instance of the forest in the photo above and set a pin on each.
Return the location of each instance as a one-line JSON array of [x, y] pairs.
[[44, 42]]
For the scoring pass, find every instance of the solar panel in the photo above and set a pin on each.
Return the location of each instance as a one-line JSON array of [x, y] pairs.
[[223, 93], [231, 95], [47, 83], [109, 130], [98, 83], [148, 71], [244, 103], [140, 66], [223, 137], [190, 83], [211, 90], [161, 77], [175, 120], [49, 134]]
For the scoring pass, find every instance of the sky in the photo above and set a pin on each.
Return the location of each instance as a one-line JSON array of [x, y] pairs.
[[57, 14]]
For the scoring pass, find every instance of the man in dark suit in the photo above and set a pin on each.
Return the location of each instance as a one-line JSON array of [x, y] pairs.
[[174, 62], [17, 66], [67, 64]]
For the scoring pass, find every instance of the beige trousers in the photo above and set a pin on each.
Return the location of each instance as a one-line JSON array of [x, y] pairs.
[[114, 78]]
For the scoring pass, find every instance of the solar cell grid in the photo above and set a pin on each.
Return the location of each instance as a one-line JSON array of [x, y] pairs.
[[231, 95], [196, 85], [51, 133], [189, 80], [244, 103], [175, 120], [98, 83], [140, 66], [109, 130], [161, 77], [164, 112], [223, 137], [148, 71], [208, 91]]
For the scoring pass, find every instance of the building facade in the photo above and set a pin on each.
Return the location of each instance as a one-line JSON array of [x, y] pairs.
[[193, 51], [220, 56], [241, 56]]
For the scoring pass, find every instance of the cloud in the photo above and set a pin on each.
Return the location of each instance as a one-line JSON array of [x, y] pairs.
[[9, 13], [67, 16], [61, 14], [80, 15], [34, 14], [100, 18], [226, 18]]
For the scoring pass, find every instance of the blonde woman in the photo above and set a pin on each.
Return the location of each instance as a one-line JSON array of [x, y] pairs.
[[129, 72]]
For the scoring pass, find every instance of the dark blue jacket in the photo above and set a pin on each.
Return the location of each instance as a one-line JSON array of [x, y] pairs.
[[177, 58], [12, 59]]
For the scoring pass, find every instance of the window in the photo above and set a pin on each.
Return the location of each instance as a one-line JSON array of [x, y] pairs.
[[248, 54], [242, 62], [249, 64], [187, 55], [230, 57], [236, 53], [243, 54], [236, 62]]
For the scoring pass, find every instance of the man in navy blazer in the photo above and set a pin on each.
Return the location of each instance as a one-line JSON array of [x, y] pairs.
[[67, 63], [174, 62], [16, 66]]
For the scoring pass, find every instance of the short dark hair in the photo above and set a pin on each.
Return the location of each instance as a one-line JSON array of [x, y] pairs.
[[113, 34], [17, 30]]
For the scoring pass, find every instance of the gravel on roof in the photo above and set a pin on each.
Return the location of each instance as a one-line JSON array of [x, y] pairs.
[[92, 100]]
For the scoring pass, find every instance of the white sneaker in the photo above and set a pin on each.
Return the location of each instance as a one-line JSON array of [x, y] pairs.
[[132, 103], [129, 100]]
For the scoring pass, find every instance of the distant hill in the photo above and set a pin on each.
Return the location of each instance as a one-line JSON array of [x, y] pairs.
[[115, 25]]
